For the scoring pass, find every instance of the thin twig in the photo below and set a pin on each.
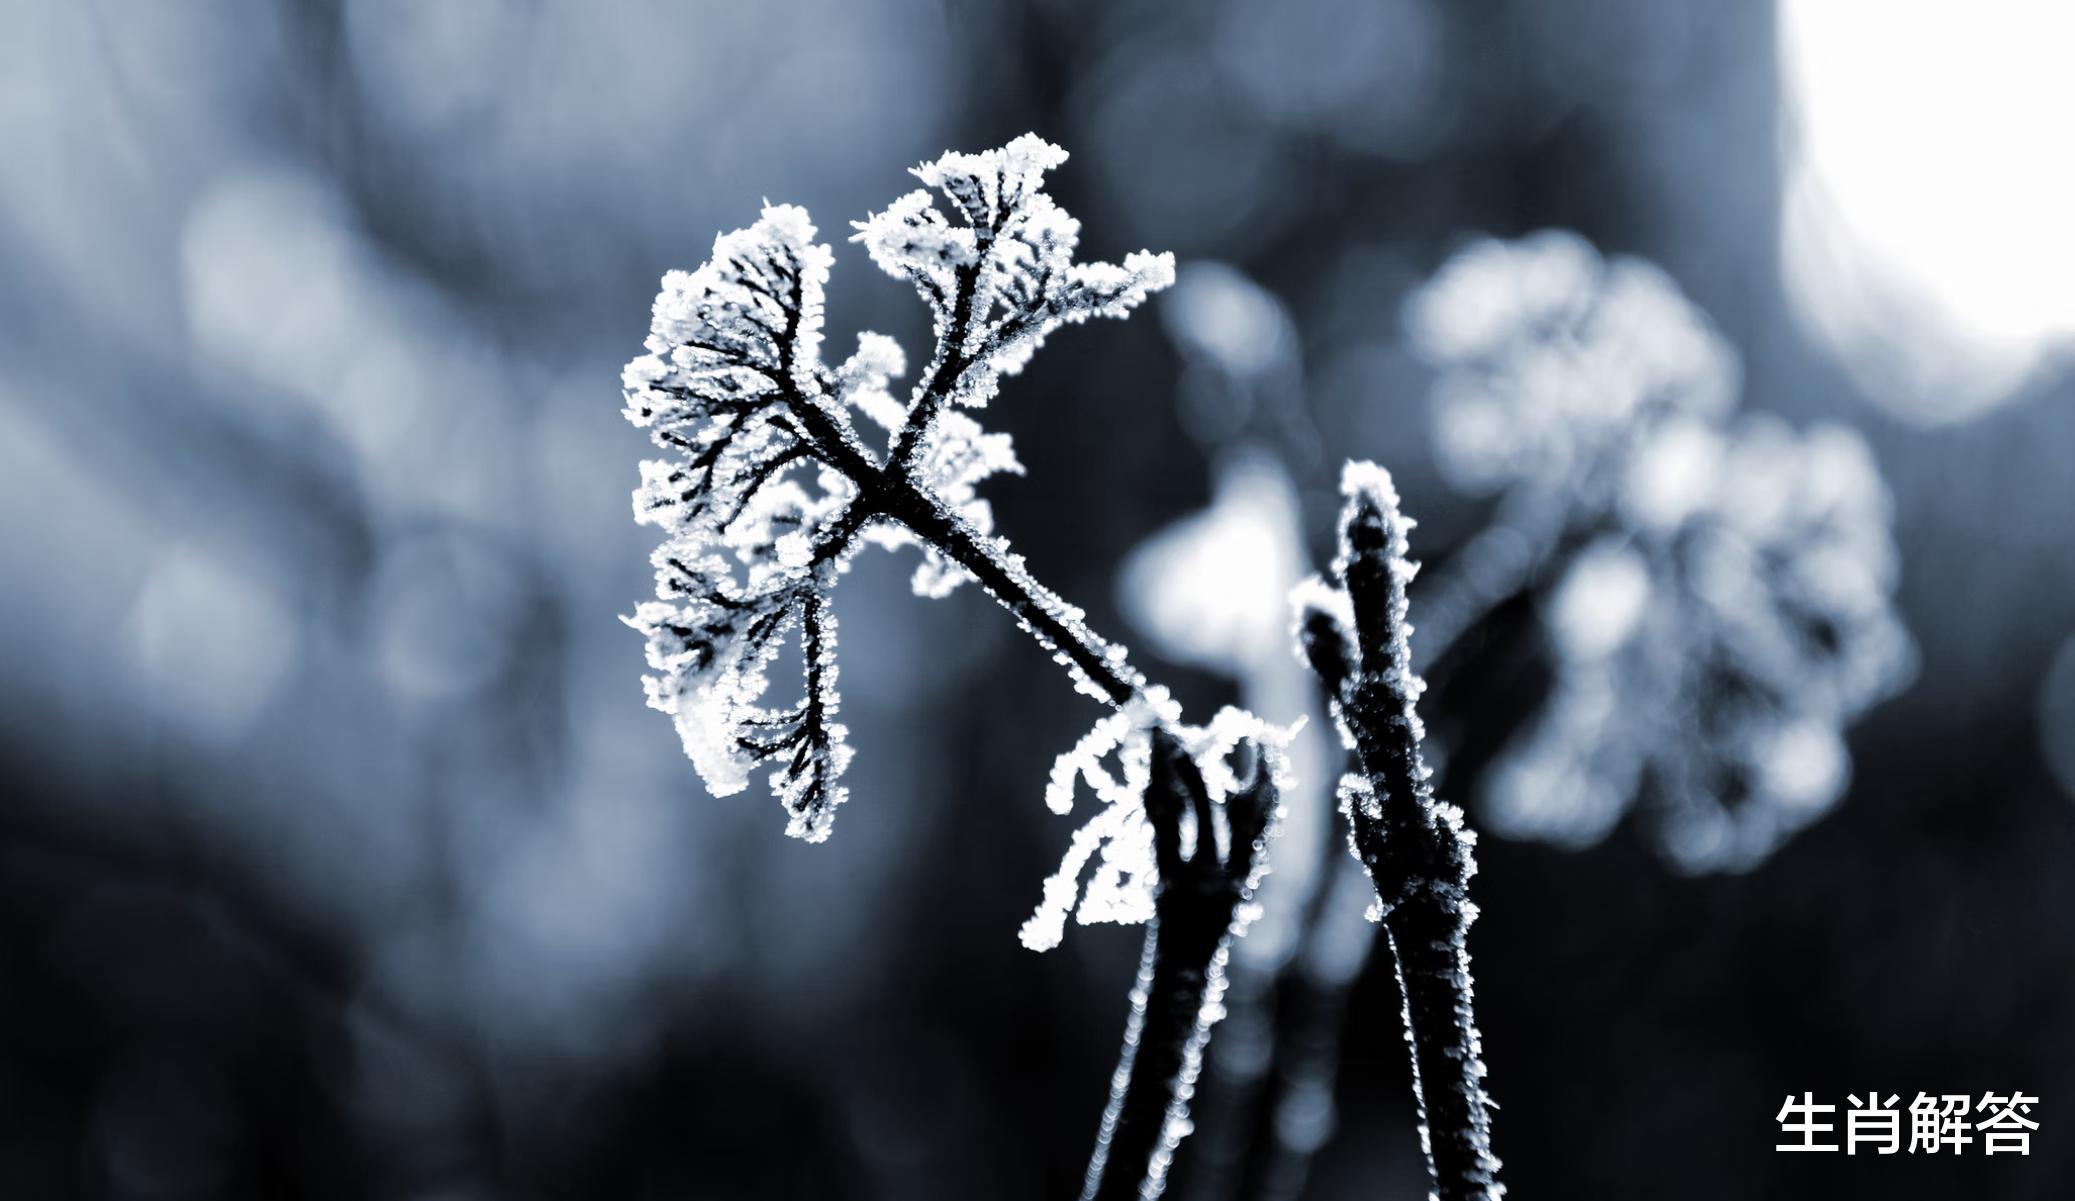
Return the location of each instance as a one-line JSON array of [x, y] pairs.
[[1417, 852]]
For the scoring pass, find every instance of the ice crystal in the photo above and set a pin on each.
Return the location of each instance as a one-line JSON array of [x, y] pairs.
[[769, 486], [1115, 760]]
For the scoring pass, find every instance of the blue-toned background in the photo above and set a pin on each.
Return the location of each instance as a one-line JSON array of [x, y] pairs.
[[340, 858]]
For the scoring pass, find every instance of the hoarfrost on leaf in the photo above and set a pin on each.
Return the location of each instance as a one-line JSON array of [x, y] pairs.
[[1549, 358], [1001, 276], [768, 487], [1115, 761]]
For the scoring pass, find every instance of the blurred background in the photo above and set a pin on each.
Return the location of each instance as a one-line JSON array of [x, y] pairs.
[[339, 857]]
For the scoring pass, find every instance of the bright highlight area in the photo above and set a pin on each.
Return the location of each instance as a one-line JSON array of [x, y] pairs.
[[1927, 233]]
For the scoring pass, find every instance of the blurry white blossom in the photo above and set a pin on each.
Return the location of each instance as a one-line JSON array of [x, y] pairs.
[[1551, 361], [1212, 590], [1709, 664], [1719, 589]]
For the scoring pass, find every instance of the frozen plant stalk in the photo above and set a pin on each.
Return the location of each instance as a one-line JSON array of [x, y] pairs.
[[1209, 801], [1354, 633], [770, 488]]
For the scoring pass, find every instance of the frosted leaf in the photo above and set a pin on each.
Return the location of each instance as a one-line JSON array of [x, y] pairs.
[[861, 382], [735, 330], [1708, 670], [911, 239], [755, 515], [768, 489], [1114, 759], [999, 272], [710, 653]]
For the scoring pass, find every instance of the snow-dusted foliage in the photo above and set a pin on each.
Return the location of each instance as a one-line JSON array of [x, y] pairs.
[[1352, 629], [750, 550], [769, 487], [1716, 588], [1711, 653], [999, 274], [1115, 760]]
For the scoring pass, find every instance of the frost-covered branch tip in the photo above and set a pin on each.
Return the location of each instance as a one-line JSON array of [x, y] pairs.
[[1116, 759], [770, 486], [1353, 630], [1206, 804]]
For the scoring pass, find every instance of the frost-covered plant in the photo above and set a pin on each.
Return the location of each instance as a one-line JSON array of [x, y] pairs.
[[1352, 629], [1208, 800], [1211, 590], [771, 487], [1715, 589]]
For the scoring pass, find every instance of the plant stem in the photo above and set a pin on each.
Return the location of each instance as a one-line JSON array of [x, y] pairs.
[[887, 490], [1181, 974], [1040, 610], [1418, 855]]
